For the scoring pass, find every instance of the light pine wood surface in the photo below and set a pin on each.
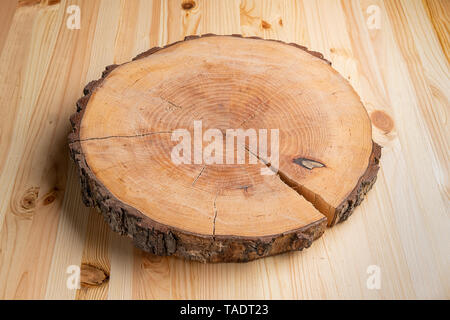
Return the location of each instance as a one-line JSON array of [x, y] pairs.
[[394, 53]]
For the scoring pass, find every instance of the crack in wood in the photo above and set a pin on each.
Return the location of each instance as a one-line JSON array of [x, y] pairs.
[[215, 216], [245, 188], [287, 181], [122, 136], [170, 103], [251, 117], [198, 176], [258, 110]]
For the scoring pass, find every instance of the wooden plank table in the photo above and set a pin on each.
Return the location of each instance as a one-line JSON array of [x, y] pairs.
[[395, 54]]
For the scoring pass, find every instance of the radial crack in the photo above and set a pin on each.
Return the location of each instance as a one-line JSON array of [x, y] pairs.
[[215, 216], [170, 103], [123, 136], [289, 182], [198, 176]]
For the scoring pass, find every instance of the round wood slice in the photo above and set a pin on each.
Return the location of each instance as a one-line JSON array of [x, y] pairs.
[[122, 144]]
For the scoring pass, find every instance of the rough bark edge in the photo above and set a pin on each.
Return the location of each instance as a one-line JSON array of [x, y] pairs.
[[161, 239], [365, 183]]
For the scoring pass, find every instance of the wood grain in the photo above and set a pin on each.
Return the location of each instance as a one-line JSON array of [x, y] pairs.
[[401, 72]]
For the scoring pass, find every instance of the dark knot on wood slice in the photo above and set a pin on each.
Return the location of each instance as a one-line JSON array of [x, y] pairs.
[[308, 163]]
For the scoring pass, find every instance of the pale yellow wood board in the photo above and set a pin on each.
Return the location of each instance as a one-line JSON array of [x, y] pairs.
[[401, 69]]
